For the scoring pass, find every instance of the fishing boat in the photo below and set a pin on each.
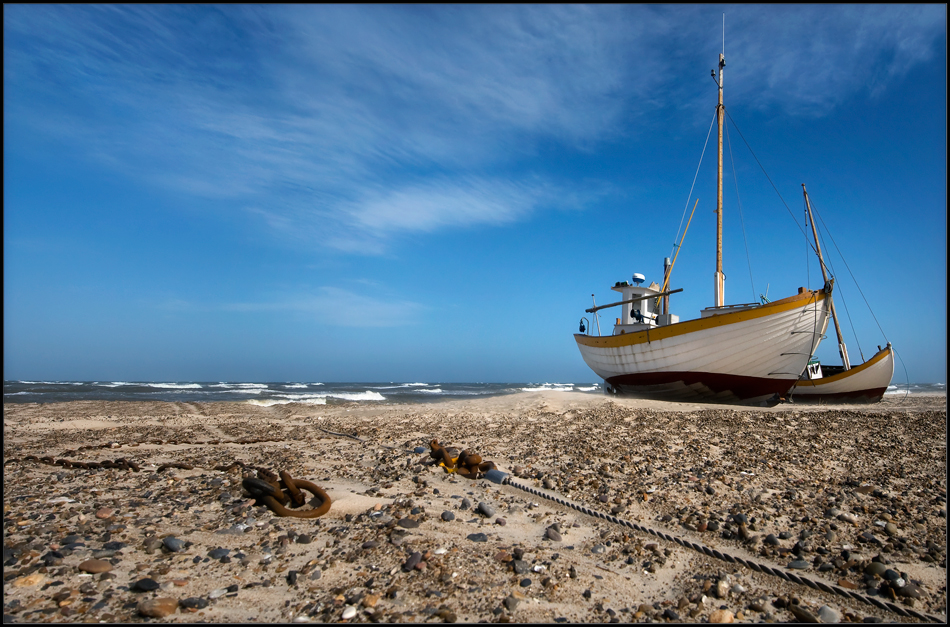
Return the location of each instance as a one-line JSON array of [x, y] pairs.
[[750, 353], [865, 383]]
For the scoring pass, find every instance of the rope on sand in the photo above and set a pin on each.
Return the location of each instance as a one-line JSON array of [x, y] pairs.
[[504, 479]]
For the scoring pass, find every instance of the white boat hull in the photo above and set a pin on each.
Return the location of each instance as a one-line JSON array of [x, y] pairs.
[[750, 356], [865, 383]]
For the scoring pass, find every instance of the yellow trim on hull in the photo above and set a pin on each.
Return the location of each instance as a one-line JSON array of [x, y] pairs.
[[847, 373], [691, 326]]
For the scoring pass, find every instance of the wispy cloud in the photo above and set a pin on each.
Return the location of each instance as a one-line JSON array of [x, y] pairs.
[[809, 60], [327, 306], [350, 125]]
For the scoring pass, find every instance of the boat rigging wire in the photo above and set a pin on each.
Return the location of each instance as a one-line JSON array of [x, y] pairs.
[[906, 378], [816, 333], [770, 181], [690, 197], [741, 218], [840, 292], [852, 274], [669, 273], [807, 244], [810, 245]]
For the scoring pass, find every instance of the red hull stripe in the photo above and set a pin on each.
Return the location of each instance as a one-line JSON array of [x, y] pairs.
[[705, 386], [855, 396]]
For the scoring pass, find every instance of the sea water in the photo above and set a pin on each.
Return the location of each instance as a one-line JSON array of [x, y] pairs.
[[310, 393], [917, 388], [269, 393]]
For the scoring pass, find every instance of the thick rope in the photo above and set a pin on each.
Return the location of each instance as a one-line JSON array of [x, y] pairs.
[[774, 571], [684, 542]]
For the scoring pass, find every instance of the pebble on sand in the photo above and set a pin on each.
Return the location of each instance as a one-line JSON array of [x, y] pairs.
[[413, 560], [95, 566], [195, 603], [158, 608], [173, 544], [875, 568], [145, 585], [104, 513], [828, 615], [722, 589], [29, 580], [721, 616], [792, 524]]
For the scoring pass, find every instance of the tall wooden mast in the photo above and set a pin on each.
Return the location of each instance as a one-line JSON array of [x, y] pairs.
[[842, 349], [720, 278]]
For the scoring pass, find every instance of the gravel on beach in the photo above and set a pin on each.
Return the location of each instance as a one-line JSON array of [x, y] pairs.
[[854, 496]]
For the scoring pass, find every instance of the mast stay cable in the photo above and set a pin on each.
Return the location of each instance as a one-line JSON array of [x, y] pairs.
[[770, 181], [852, 275], [807, 244], [840, 291], [810, 245], [741, 219], [695, 176]]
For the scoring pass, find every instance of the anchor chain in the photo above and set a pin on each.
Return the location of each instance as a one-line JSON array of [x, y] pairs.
[[268, 488], [466, 464]]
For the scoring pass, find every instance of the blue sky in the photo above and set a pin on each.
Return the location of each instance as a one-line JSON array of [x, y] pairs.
[[433, 193]]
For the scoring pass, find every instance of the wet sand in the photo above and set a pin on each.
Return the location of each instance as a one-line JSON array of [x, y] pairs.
[[854, 496]]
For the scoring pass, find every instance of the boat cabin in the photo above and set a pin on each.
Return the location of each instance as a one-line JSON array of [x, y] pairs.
[[640, 315]]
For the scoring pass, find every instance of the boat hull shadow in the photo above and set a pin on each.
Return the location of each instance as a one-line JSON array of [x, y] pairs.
[[702, 387]]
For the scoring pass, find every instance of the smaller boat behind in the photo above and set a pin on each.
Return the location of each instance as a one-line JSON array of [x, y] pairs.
[[865, 383]]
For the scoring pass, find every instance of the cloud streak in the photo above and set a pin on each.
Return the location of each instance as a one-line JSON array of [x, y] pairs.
[[349, 126], [326, 306]]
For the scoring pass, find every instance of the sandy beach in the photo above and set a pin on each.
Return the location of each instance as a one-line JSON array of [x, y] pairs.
[[851, 496]]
